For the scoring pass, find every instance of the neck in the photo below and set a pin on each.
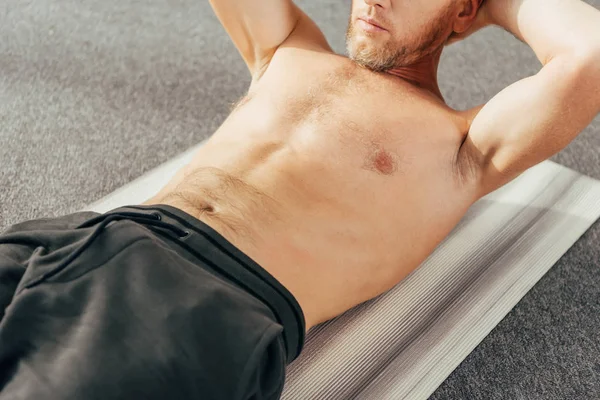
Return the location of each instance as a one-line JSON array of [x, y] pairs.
[[422, 73]]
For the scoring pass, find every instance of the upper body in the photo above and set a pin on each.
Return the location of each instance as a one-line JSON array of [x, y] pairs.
[[340, 175]]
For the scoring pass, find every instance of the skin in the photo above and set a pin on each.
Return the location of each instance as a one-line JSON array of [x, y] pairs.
[[340, 176]]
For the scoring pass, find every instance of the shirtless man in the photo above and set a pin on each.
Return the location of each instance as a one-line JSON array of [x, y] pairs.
[[331, 180]]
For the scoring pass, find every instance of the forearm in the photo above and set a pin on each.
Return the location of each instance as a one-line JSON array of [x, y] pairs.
[[549, 27]]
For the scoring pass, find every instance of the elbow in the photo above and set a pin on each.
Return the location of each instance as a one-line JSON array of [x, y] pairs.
[[594, 68], [588, 59], [588, 72]]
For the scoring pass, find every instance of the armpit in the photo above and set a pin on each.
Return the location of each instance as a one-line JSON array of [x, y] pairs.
[[467, 168]]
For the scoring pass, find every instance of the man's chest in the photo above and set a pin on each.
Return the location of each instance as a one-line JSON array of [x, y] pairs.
[[353, 119], [349, 152]]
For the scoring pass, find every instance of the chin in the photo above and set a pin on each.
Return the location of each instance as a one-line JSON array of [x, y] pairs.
[[374, 57]]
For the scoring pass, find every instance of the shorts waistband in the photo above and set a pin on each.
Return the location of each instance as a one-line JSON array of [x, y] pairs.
[[244, 272]]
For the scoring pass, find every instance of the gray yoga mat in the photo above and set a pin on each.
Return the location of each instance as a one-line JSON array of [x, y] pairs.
[[404, 343]]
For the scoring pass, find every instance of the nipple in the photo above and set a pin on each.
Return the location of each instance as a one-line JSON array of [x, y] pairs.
[[382, 161]]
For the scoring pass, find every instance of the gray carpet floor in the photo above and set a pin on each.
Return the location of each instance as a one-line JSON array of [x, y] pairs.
[[95, 93]]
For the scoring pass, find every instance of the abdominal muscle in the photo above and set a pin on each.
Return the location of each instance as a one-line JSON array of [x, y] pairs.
[[333, 219], [331, 245]]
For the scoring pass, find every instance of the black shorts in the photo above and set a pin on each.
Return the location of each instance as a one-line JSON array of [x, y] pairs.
[[142, 302]]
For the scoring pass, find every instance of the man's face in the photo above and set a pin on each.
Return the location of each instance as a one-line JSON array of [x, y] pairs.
[[412, 29]]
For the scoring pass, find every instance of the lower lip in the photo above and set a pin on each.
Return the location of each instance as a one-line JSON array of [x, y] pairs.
[[369, 27]]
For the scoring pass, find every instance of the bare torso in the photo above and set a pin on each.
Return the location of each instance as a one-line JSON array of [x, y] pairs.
[[337, 180]]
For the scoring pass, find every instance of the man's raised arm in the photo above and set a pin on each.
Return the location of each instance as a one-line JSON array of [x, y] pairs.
[[259, 27], [535, 118]]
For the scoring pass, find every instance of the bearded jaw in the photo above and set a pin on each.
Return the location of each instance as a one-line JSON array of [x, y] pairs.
[[377, 58], [382, 57]]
